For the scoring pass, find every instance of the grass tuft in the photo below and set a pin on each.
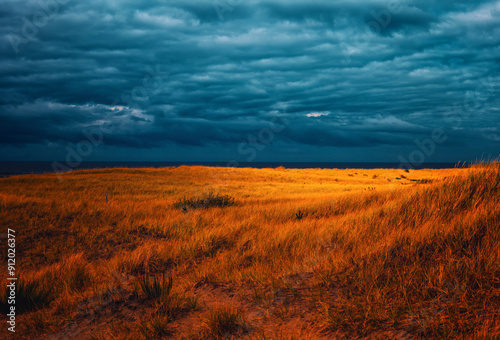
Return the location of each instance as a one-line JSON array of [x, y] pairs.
[[204, 202], [154, 289], [157, 327], [223, 322]]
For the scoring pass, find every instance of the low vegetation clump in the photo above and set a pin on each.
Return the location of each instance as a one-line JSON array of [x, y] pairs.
[[156, 289], [223, 322], [166, 304], [157, 327], [204, 202]]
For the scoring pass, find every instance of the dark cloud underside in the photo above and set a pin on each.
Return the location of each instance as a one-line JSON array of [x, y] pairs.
[[344, 78]]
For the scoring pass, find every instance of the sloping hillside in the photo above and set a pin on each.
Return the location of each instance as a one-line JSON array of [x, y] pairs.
[[212, 253]]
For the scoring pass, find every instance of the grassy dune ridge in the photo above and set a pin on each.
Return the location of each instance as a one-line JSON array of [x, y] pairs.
[[298, 254]]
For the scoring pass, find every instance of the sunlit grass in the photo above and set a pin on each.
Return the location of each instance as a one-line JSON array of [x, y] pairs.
[[361, 253]]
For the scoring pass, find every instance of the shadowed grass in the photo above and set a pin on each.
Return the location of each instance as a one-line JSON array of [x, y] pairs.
[[29, 295], [204, 202], [223, 322], [156, 289], [155, 328]]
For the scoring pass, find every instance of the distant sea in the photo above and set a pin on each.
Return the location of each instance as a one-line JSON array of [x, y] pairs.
[[22, 168]]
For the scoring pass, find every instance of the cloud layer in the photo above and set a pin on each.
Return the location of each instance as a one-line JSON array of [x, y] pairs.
[[344, 80]]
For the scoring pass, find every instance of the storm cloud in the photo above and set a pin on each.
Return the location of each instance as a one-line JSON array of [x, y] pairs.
[[343, 80]]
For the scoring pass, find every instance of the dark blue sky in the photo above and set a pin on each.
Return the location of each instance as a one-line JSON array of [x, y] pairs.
[[252, 80]]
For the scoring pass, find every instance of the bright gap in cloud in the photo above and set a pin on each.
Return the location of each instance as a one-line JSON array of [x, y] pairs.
[[317, 114]]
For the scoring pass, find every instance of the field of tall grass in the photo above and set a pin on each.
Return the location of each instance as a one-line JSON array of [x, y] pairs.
[[230, 253]]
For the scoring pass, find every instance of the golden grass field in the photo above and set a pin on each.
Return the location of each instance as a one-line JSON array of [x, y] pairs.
[[299, 254]]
